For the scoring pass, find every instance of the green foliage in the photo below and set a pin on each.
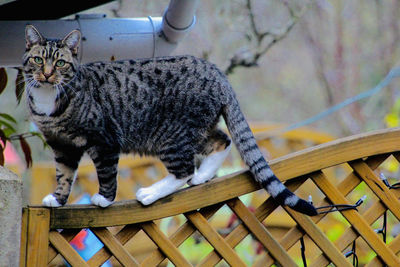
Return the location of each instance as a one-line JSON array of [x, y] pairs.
[[392, 118], [8, 124]]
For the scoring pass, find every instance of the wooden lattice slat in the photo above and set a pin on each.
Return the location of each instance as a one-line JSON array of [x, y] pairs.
[[260, 232], [356, 220], [370, 215], [123, 236], [115, 247], [319, 238], [240, 232], [68, 235], [346, 186], [394, 245], [377, 186], [165, 244], [214, 239], [184, 232], [65, 249]]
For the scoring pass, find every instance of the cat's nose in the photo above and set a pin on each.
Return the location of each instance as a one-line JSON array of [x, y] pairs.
[[47, 75]]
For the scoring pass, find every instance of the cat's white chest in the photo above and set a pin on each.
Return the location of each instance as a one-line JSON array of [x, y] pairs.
[[44, 98]]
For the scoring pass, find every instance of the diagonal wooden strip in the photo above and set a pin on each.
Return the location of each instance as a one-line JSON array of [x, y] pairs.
[[346, 186], [240, 232], [261, 233], [164, 244], [356, 220], [65, 249], [394, 245], [180, 235], [214, 239], [116, 248], [68, 235], [318, 237], [348, 236], [123, 236], [377, 186]]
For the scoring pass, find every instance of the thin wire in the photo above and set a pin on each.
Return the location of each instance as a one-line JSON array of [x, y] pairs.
[[352, 252], [303, 250], [393, 73], [340, 207], [386, 182]]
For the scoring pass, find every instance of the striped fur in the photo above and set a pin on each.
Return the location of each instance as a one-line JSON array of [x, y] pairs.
[[167, 107]]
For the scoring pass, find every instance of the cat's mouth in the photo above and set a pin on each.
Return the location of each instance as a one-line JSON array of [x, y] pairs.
[[46, 79]]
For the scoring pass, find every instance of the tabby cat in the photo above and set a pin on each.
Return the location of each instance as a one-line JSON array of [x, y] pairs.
[[167, 107]]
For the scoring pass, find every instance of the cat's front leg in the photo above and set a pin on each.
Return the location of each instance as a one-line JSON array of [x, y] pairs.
[[106, 162], [66, 164]]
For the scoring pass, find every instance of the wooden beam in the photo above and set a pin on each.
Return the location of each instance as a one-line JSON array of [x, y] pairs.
[[38, 237]]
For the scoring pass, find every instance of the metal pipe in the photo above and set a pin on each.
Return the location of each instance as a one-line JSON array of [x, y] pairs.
[[178, 19], [106, 39]]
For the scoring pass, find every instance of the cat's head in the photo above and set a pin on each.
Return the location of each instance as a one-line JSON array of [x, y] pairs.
[[50, 61]]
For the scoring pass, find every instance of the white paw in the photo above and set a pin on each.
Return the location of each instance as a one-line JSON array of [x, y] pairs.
[[201, 178], [209, 167], [147, 195], [100, 201], [50, 201]]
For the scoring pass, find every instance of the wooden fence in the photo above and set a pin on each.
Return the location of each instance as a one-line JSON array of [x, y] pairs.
[[359, 159]]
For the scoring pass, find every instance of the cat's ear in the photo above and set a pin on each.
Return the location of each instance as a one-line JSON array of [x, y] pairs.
[[32, 36], [72, 41]]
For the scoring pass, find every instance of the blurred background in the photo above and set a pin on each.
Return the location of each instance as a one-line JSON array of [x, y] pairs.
[[301, 57], [287, 60]]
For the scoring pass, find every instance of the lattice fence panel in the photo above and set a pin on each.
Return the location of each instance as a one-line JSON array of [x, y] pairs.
[[328, 180]]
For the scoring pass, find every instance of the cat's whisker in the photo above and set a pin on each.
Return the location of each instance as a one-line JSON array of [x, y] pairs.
[[63, 84]]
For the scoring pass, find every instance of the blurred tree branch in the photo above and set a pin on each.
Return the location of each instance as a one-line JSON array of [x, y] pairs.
[[247, 58]]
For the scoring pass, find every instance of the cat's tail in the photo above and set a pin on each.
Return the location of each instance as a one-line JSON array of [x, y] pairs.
[[252, 156]]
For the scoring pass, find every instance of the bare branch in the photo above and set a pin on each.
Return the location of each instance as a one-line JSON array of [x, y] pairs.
[[247, 58]]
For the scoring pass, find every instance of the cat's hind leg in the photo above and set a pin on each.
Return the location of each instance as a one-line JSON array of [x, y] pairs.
[[160, 189], [179, 161], [217, 149]]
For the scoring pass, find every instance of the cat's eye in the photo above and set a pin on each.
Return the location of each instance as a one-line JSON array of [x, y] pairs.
[[60, 63], [38, 60]]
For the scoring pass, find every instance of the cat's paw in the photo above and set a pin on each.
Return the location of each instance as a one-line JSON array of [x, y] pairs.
[[100, 201], [50, 201], [201, 177], [209, 167], [147, 195]]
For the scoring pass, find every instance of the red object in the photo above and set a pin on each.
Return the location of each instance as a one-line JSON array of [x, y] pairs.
[[77, 241], [11, 155]]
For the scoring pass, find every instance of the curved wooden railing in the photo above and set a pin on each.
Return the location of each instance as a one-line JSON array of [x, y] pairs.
[[363, 153]]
